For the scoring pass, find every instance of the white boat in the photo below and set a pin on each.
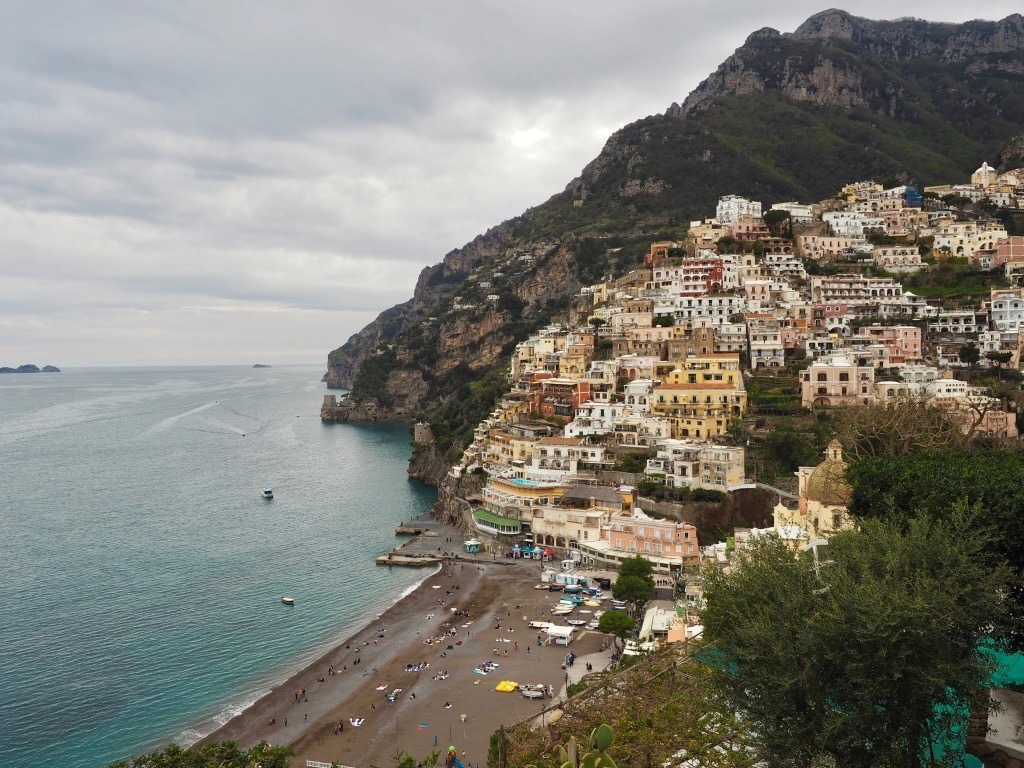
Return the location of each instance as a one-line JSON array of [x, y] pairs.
[[288, 600], [576, 622], [268, 493]]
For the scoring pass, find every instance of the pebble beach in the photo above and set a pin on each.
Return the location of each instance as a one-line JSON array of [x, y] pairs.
[[423, 675]]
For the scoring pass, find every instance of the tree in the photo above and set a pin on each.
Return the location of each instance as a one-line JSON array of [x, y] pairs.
[[897, 428], [896, 488], [780, 223], [999, 359], [855, 657], [214, 754], [634, 583], [638, 565], [969, 354], [632, 589], [616, 623]]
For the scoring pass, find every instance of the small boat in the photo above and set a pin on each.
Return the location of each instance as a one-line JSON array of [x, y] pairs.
[[268, 493], [576, 622], [288, 600]]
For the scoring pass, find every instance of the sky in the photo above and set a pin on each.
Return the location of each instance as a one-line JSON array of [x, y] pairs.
[[202, 183]]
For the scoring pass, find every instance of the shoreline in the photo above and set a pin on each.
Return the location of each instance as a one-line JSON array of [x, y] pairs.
[[204, 730], [426, 650]]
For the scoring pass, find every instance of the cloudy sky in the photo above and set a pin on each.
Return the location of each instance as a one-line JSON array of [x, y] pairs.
[[224, 182]]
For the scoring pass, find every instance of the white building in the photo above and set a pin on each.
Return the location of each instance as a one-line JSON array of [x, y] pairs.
[[719, 308], [697, 464], [764, 343], [1007, 308], [798, 212], [731, 207]]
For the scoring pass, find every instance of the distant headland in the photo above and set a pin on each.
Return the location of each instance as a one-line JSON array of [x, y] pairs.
[[260, 365], [30, 369]]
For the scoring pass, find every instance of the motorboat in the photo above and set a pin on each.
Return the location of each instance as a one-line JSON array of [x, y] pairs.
[[268, 493], [288, 600], [532, 693], [576, 622]]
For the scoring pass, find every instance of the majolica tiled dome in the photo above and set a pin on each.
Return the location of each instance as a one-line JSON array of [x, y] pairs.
[[827, 482]]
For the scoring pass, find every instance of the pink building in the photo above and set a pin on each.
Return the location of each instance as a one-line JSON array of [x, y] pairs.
[[1010, 249], [902, 341], [831, 314]]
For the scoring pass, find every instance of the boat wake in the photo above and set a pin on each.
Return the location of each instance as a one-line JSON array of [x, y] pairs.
[[163, 426]]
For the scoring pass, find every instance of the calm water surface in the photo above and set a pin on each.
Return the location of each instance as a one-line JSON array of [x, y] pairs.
[[143, 571]]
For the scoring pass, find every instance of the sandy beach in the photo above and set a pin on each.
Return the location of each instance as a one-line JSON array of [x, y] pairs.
[[442, 700]]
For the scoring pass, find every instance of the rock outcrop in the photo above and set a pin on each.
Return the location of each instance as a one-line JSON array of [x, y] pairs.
[[822, 61]]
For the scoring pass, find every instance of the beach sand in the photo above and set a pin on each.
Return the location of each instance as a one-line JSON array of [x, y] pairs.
[[489, 592]]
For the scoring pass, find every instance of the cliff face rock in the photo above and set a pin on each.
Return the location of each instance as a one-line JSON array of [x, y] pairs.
[[465, 316], [825, 60], [1013, 154]]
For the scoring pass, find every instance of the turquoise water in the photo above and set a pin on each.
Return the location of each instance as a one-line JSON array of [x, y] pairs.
[[143, 570]]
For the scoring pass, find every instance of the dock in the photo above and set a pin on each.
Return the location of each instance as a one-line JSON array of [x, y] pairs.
[[431, 542]]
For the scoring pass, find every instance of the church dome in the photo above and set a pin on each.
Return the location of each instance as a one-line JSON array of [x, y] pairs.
[[827, 482]]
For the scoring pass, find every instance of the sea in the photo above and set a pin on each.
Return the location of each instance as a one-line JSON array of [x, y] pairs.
[[142, 570]]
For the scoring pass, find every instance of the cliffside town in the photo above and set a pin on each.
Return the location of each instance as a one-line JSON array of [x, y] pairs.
[[645, 392]]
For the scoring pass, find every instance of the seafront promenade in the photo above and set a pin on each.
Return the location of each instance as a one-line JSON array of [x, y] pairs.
[[422, 676]]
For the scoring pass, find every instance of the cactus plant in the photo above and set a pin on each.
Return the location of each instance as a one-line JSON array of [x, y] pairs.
[[600, 740]]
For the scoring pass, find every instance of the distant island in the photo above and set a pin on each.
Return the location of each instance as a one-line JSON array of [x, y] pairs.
[[30, 369], [260, 365]]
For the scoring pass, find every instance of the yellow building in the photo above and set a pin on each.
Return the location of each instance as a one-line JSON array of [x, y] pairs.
[[824, 498], [702, 396]]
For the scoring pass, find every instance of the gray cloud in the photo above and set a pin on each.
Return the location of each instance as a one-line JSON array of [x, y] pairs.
[[224, 182]]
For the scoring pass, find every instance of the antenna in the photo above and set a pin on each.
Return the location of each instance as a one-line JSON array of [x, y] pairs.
[[812, 546]]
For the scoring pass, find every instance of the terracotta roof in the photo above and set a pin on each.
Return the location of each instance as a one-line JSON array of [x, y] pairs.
[[696, 387], [560, 441], [596, 492]]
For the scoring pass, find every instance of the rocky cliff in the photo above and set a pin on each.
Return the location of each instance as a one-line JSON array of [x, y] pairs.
[[787, 117], [834, 59]]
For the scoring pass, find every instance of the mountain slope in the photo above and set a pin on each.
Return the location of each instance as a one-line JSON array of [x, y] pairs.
[[786, 117]]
